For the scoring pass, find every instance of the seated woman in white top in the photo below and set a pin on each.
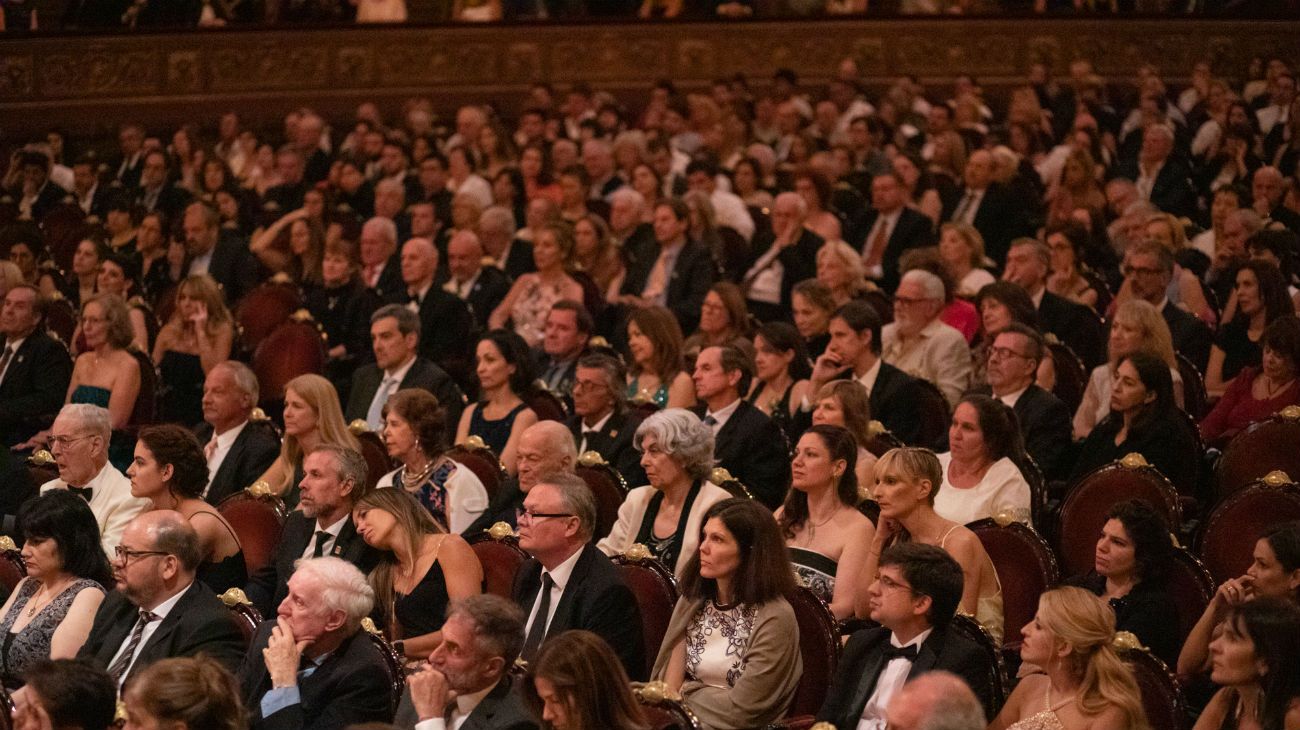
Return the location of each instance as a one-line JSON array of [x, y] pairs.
[[415, 434], [980, 475], [1137, 325]]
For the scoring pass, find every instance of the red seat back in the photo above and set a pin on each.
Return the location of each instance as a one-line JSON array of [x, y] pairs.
[[1228, 536], [1025, 565], [61, 319], [664, 709], [263, 309], [500, 555], [1191, 587], [1084, 511], [1195, 401], [257, 517], [483, 462], [376, 454], [995, 670], [294, 348], [547, 405], [146, 402], [655, 589], [1267, 446], [606, 485], [1161, 696], [819, 647], [1071, 375]]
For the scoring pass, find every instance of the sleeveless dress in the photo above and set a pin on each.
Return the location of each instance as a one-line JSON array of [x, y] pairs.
[[182, 397], [815, 571], [988, 608], [19, 651], [423, 609], [230, 572], [530, 310], [780, 410], [1045, 720], [121, 448], [660, 396], [494, 433]]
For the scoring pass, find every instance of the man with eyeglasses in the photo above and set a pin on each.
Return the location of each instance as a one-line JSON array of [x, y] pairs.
[[1148, 270], [568, 583], [79, 443], [600, 420], [159, 610], [1028, 264], [919, 343], [914, 598]]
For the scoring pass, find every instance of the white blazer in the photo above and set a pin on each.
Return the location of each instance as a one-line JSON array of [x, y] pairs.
[[111, 502], [632, 512]]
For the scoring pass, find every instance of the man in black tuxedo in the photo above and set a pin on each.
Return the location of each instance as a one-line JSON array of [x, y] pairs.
[[395, 339], [130, 140], [238, 449], [291, 167], [447, 331], [988, 206], [854, 353], [601, 421], [673, 272], [314, 667], [1160, 178], [780, 258], [334, 479], [481, 287], [625, 208], [36, 193], [156, 193], [34, 367], [1044, 420], [1074, 324], [217, 253], [91, 195], [889, 229], [747, 442], [545, 449], [913, 598], [568, 327], [1148, 269], [568, 583], [380, 268], [159, 610], [496, 231], [467, 681]]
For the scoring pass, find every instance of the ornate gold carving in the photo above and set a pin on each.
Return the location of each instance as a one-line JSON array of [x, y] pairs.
[[1290, 413], [235, 597], [1005, 517], [875, 428], [1133, 461], [260, 488], [637, 552], [7, 544], [359, 426], [302, 315], [1276, 478], [368, 625], [258, 414], [475, 442], [501, 531], [720, 476], [42, 457], [1126, 641], [592, 458], [656, 692]]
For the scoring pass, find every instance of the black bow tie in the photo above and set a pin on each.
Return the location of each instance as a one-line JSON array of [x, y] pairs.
[[413, 298], [83, 492], [906, 652]]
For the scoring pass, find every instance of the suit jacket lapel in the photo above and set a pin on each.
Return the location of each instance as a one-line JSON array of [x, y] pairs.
[[563, 617], [928, 655], [866, 683], [232, 458], [167, 625]]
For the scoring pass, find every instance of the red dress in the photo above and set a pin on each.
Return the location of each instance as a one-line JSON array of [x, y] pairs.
[[1238, 408]]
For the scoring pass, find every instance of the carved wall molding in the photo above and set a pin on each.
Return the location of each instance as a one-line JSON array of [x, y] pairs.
[[80, 81]]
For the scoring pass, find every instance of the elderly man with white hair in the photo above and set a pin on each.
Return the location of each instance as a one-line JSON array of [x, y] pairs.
[[313, 666], [936, 701], [781, 259], [378, 250], [545, 448], [919, 343], [497, 234], [79, 443]]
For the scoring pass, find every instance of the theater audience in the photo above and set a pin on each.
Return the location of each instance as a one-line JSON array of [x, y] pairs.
[[531, 297], [914, 597], [34, 378], [312, 417], [1261, 297], [334, 480], [1148, 272], [1028, 264], [576, 682], [1136, 328], [468, 679], [567, 583], [982, 474], [505, 378], [481, 287], [919, 343], [49, 613], [655, 370], [669, 271], [169, 470], [907, 483], [824, 496], [1259, 392], [845, 403], [1145, 420], [236, 448], [446, 324], [1084, 682], [1044, 421], [59, 693], [313, 666], [728, 649], [724, 320], [667, 514], [1069, 278], [601, 420], [1253, 659], [415, 436], [421, 567], [1133, 560], [781, 257], [79, 443], [961, 251], [159, 609], [811, 308], [186, 694]]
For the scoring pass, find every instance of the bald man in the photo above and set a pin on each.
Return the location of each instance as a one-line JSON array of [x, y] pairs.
[[545, 448], [447, 331], [481, 287], [780, 259], [936, 701]]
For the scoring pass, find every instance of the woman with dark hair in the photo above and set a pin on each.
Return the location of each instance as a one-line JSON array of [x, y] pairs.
[[1259, 392], [576, 682], [171, 472], [200, 334], [724, 320], [1261, 297], [918, 185], [1256, 660], [508, 192], [1066, 242], [183, 693], [293, 244], [728, 649], [815, 189], [654, 346], [342, 304], [1274, 572], [505, 376], [812, 305], [1000, 304], [595, 253], [981, 469], [827, 536], [415, 435], [747, 182], [781, 370], [846, 403], [1145, 420], [1133, 556], [421, 569], [79, 286], [535, 166], [49, 613]]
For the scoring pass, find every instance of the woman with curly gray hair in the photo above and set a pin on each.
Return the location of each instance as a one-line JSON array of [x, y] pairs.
[[665, 516]]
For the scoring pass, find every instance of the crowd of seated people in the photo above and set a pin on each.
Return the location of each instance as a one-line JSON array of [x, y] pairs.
[[927, 327]]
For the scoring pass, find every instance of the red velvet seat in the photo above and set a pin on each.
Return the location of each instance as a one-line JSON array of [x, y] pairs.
[[246, 614], [295, 348], [481, 460], [498, 551], [934, 414], [146, 402], [606, 485], [263, 309], [819, 647], [996, 670], [1195, 401], [12, 567], [61, 318], [1071, 375], [655, 589], [1228, 535], [393, 662], [1267, 446], [1083, 512], [547, 405], [372, 448], [1162, 698], [1191, 587], [257, 517], [663, 708], [1025, 565]]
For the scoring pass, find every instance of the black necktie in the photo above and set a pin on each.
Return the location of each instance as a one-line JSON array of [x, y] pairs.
[[322, 537], [4, 359], [118, 670], [709, 421], [906, 652], [84, 492], [414, 299], [537, 631]]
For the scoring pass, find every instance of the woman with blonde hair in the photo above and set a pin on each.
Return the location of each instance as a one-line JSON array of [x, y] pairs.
[[1076, 187], [529, 301], [1084, 685], [840, 268], [961, 252], [846, 403], [184, 693], [576, 682], [421, 569], [1136, 326], [907, 481], [312, 416], [197, 337]]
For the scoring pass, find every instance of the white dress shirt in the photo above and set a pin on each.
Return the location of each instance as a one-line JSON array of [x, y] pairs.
[[465, 706], [892, 678], [160, 612], [111, 503], [333, 531], [597, 427], [225, 441], [559, 579]]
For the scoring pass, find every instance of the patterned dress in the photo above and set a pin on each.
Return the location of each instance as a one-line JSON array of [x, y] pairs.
[[815, 571], [717, 641], [21, 650]]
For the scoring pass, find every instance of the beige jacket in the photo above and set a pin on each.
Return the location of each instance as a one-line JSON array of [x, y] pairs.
[[632, 512]]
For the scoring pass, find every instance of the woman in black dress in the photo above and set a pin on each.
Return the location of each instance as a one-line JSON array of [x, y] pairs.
[[421, 569], [505, 376], [342, 305], [199, 335], [782, 369], [1261, 296]]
